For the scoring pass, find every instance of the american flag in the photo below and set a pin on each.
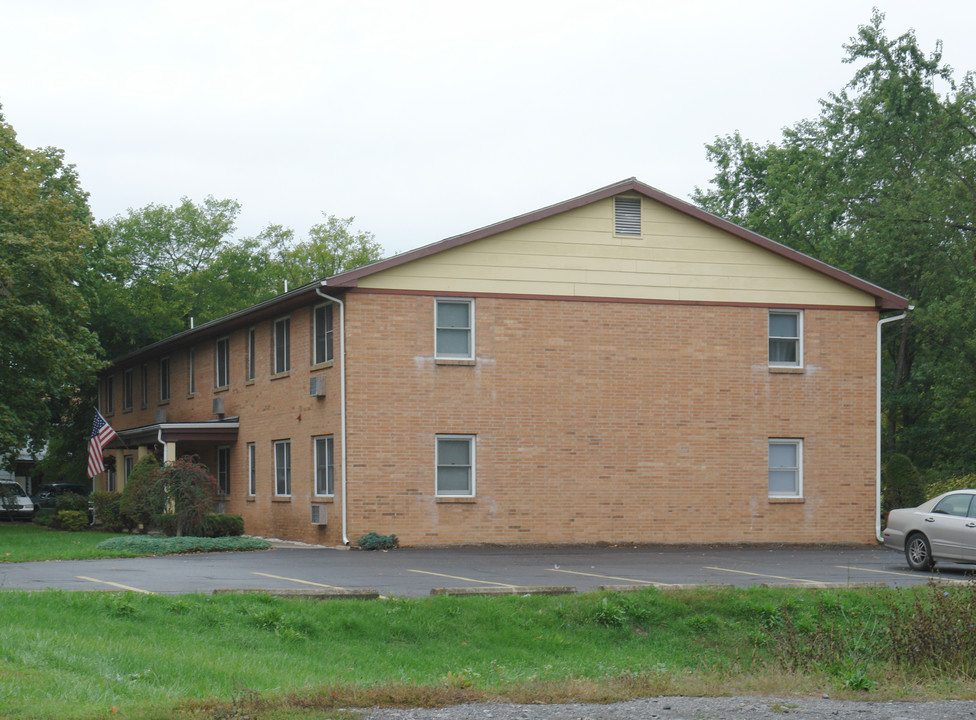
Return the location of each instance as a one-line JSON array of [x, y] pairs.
[[102, 434]]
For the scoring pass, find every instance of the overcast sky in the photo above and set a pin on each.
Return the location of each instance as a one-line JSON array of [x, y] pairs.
[[423, 119]]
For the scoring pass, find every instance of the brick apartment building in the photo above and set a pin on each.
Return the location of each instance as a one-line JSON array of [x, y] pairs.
[[619, 367]]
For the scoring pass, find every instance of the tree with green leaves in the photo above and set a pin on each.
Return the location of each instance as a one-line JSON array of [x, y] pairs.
[[48, 356], [883, 184]]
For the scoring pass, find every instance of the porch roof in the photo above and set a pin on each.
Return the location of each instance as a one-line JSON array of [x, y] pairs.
[[224, 430]]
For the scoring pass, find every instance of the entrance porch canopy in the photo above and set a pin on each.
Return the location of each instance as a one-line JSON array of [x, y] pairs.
[[168, 434]]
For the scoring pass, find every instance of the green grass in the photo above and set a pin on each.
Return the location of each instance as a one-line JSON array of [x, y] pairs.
[[23, 543], [85, 655]]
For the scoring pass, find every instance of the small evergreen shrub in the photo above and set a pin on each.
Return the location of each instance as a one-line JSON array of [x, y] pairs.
[[73, 520], [375, 541], [222, 525], [901, 485], [107, 512], [71, 501], [166, 522], [45, 518]]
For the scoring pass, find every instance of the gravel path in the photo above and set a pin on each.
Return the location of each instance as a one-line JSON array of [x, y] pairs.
[[695, 708]]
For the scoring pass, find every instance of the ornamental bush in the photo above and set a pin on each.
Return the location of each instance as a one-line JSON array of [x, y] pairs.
[[107, 513], [73, 520], [375, 541], [140, 503], [187, 490]]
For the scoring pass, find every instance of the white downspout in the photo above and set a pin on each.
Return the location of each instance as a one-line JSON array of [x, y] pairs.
[[342, 398], [877, 460]]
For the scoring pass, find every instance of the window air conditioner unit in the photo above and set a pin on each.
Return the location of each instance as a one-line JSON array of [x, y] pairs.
[[160, 416], [316, 387], [218, 406], [319, 515]]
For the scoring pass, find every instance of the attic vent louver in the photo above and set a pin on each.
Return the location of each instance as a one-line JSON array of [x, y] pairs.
[[626, 216]]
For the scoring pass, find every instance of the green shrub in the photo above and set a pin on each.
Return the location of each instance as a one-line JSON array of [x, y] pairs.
[[166, 522], [222, 525], [73, 520], [107, 510], [960, 482], [189, 489], [71, 501], [374, 541], [901, 485], [45, 518], [140, 502]]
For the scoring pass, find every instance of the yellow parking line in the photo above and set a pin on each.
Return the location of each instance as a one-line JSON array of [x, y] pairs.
[[121, 587], [609, 577], [296, 580], [458, 577], [775, 577], [906, 574]]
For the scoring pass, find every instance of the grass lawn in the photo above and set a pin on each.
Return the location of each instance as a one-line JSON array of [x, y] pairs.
[[147, 657], [22, 542]]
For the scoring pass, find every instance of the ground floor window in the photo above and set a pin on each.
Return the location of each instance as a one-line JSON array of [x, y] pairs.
[[223, 470], [251, 470], [455, 465], [127, 465], [785, 467], [110, 479], [324, 465], [282, 452]]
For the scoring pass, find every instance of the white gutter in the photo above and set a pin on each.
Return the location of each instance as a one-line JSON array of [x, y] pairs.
[[342, 397], [877, 489]]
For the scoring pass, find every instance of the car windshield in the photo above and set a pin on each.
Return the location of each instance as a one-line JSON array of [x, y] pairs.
[[12, 489]]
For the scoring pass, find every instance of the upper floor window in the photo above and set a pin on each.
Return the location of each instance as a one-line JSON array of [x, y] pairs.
[[785, 468], [191, 369], [145, 385], [454, 329], [127, 390], [282, 341], [323, 333], [786, 338], [108, 393], [251, 357], [163, 379], [222, 352]]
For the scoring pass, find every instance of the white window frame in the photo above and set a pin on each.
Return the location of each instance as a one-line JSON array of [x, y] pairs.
[[469, 302], [251, 469], [326, 332], [222, 362], [472, 449], [798, 339], [223, 470], [282, 473], [797, 469], [128, 462], [285, 365], [164, 378], [109, 480], [328, 446]]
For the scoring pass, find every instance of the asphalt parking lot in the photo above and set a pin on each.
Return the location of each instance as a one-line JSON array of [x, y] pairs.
[[421, 571]]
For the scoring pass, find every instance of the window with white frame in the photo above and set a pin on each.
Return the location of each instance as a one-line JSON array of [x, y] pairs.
[[251, 470], [322, 332], [455, 465], [282, 341], [223, 470], [127, 390], [786, 338], [127, 465], [251, 358], [324, 465], [282, 455], [785, 467], [222, 364], [163, 379], [110, 479], [454, 328]]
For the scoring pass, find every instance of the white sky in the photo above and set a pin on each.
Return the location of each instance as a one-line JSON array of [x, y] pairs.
[[422, 118]]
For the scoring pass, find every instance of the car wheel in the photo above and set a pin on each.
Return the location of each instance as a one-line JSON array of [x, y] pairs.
[[918, 552]]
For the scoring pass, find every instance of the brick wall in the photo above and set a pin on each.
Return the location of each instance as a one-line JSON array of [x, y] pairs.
[[594, 422]]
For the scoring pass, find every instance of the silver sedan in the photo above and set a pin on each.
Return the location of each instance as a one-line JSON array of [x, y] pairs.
[[943, 528]]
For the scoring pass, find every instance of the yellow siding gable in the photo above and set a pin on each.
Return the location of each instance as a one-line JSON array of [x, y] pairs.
[[576, 254]]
